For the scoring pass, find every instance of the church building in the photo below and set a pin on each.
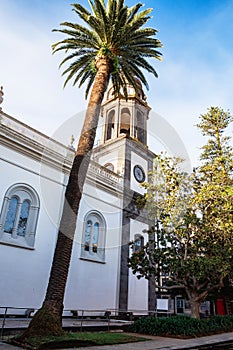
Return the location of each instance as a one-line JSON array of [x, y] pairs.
[[33, 177]]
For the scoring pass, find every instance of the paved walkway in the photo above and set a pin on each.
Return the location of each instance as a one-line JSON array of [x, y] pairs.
[[153, 343]]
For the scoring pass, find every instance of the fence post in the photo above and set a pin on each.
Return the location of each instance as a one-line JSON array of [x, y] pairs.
[[3, 322], [82, 321]]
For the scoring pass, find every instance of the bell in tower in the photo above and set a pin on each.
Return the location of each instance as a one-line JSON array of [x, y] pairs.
[[125, 122]]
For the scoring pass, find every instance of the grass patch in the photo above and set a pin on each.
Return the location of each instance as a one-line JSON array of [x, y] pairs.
[[77, 340]]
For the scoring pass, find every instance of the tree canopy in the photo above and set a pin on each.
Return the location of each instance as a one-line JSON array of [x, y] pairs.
[[193, 216], [113, 30]]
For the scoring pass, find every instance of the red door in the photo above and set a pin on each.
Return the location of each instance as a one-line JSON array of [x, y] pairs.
[[220, 307]]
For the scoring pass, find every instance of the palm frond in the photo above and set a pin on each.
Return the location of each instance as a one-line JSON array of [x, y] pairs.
[[136, 72], [112, 29], [86, 74], [100, 12], [85, 69], [119, 26], [89, 84], [132, 12], [81, 11], [119, 83], [145, 65], [77, 67], [111, 11]]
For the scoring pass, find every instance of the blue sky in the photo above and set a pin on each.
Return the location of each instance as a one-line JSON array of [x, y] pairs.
[[196, 71]]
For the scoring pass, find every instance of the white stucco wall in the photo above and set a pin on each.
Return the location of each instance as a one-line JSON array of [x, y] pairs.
[[138, 289], [94, 285], [24, 272]]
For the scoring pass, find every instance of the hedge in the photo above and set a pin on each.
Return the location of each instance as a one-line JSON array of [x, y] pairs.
[[182, 326]]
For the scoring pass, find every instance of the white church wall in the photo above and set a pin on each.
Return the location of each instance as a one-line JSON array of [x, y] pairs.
[[113, 159], [138, 289], [30, 273], [91, 284], [25, 270], [112, 152]]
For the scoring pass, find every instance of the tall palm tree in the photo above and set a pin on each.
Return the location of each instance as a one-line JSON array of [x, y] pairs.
[[113, 45]]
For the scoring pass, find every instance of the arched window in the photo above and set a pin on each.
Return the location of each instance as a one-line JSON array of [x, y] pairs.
[[140, 130], [109, 166], [11, 215], [138, 242], [93, 242], [110, 125], [88, 235], [125, 121], [23, 219], [19, 215]]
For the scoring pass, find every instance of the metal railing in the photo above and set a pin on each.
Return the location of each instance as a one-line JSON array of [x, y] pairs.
[[10, 311], [84, 317], [11, 316]]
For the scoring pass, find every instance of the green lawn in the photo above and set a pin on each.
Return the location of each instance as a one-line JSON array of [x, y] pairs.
[[80, 339]]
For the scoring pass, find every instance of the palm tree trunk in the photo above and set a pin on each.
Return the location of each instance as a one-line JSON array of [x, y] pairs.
[[48, 319]]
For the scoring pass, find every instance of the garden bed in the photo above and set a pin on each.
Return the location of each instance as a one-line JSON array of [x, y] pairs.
[[182, 326]]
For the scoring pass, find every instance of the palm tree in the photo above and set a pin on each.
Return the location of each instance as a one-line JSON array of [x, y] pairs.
[[113, 45]]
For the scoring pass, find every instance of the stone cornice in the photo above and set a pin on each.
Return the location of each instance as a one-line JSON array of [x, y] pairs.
[[132, 142], [29, 142], [130, 98]]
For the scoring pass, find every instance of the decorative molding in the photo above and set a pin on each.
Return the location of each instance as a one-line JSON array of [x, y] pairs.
[[29, 142]]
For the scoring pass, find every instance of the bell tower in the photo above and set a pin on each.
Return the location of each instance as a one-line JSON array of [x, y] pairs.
[[121, 117], [124, 127], [123, 149]]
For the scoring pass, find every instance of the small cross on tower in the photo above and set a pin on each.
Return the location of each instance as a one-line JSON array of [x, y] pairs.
[[1, 95]]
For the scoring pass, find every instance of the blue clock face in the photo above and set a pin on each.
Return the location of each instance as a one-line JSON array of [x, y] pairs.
[[139, 173]]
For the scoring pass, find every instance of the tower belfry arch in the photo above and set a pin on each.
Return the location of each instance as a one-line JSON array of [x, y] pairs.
[[125, 117]]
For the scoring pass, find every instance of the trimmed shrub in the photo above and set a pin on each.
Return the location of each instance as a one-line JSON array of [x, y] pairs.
[[182, 326]]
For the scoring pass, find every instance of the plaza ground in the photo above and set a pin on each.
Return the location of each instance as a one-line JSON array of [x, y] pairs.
[[153, 343]]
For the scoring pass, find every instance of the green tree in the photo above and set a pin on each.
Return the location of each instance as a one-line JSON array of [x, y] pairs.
[[113, 44], [214, 190], [194, 217]]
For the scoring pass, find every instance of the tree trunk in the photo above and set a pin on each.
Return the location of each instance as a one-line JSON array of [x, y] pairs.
[[195, 308], [195, 303], [48, 319]]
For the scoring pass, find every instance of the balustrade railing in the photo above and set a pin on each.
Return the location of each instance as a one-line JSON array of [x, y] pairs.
[[96, 169]]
